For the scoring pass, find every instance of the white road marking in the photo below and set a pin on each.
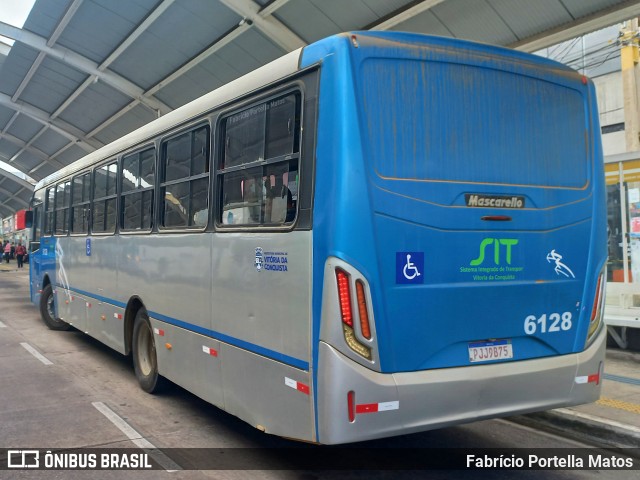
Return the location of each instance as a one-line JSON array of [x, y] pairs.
[[2, 325], [36, 354], [138, 440]]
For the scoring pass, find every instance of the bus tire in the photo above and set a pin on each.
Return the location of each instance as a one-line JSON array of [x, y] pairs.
[[145, 361], [47, 310]]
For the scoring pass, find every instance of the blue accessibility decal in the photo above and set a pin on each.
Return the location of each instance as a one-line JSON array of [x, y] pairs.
[[410, 267]]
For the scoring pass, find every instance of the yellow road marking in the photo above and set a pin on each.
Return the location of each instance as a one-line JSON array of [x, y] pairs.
[[620, 405]]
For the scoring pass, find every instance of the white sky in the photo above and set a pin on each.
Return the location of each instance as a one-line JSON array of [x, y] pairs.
[[14, 12]]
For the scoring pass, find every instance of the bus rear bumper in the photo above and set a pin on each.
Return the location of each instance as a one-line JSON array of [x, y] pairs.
[[394, 404]]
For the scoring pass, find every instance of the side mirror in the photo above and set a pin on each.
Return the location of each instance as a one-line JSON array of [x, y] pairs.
[[28, 218]]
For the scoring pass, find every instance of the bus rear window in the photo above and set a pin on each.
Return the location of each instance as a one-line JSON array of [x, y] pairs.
[[453, 122]]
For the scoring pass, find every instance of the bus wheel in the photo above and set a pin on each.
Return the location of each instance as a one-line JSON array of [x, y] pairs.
[[47, 310], [145, 362]]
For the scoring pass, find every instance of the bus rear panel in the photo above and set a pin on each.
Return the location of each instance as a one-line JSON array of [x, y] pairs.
[[462, 252]]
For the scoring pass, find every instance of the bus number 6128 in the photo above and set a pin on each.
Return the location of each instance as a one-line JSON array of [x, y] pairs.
[[554, 322]]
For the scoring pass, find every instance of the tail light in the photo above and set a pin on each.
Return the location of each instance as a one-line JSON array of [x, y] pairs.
[[346, 312], [362, 310], [598, 305], [344, 295]]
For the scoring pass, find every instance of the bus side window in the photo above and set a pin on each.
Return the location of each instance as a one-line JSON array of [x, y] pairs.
[[266, 134], [185, 183], [49, 216]]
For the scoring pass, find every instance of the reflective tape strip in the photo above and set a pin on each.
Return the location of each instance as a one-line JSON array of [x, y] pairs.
[[301, 387], [158, 331], [210, 351], [377, 407], [593, 378], [118, 316]]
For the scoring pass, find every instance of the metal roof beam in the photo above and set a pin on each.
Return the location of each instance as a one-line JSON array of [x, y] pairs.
[[272, 7], [6, 211], [219, 44], [64, 22], [59, 126], [225, 40], [215, 47], [42, 164], [10, 122], [14, 196], [28, 148], [404, 14], [152, 17], [600, 19], [265, 22], [84, 65], [14, 178], [73, 8]]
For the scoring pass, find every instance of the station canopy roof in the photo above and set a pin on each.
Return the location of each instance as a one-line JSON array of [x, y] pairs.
[[82, 73]]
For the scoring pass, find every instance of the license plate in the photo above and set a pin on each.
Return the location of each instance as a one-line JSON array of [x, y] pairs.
[[488, 351]]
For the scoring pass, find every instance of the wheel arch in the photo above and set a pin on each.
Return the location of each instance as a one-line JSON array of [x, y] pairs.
[[133, 306]]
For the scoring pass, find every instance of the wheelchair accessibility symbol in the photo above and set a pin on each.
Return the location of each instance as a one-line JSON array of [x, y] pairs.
[[409, 267]]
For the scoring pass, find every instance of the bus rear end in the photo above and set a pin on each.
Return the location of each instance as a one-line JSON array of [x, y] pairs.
[[459, 236]]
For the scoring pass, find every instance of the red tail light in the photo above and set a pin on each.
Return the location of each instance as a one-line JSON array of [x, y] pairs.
[[346, 313], [344, 295]]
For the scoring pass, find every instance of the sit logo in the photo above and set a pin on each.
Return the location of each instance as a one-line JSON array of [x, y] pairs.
[[500, 246]]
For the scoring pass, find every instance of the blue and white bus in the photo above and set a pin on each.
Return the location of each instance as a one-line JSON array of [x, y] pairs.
[[377, 234]]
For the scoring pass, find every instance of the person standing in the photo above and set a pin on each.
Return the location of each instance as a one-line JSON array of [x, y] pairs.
[[20, 253], [7, 252]]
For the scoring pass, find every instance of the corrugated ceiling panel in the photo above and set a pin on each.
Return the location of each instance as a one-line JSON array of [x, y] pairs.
[[45, 16], [24, 128], [345, 16], [315, 19], [246, 53], [50, 142], [7, 149], [479, 21], [382, 8], [540, 14], [580, 8], [10, 187], [5, 116], [307, 20], [52, 83], [44, 171], [15, 67], [136, 117], [93, 106], [201, 23], [426, 22], [87, 35], [26, 161], [71, 155]]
